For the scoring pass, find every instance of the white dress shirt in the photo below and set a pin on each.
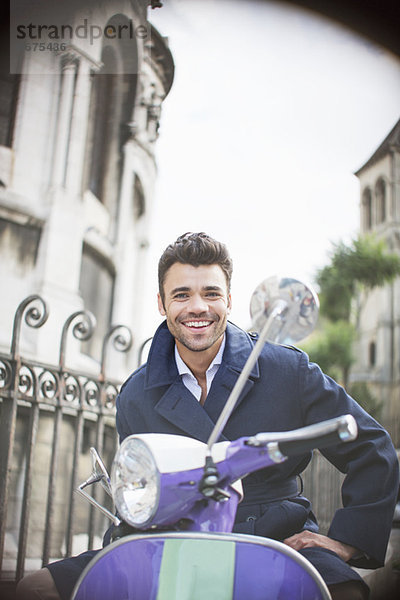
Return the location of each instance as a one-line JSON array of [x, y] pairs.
[[189, 380]]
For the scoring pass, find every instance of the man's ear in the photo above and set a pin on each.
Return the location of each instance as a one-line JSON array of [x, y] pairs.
[[229, 303], [160, 305]]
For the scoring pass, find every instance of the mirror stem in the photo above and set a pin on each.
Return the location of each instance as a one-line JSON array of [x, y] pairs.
[[276, 312], [103, 509]]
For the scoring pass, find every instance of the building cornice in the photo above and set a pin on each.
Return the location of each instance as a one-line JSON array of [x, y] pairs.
[[14, 208], [390, 143], [160, 58]]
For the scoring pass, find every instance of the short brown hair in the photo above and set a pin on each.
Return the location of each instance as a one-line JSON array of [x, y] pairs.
[[194, 249]]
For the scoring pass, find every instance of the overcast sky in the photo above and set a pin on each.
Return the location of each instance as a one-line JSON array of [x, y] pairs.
[[271, 111]]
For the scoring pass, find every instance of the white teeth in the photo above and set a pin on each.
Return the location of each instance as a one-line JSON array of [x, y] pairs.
[[197, 323]]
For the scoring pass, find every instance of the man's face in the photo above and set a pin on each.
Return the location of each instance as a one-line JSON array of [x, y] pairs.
[[196, 304]]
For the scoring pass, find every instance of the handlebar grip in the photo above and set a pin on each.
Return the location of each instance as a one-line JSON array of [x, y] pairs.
[[305, 439], [303, 446]]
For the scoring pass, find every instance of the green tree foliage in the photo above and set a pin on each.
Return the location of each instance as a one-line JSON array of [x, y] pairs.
[[365, 262], [331, 348]]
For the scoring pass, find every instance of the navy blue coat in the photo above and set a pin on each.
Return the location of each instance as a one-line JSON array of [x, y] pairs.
[[283, 392]]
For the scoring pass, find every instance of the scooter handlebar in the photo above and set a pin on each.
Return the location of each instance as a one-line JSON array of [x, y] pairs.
[[305, 439]]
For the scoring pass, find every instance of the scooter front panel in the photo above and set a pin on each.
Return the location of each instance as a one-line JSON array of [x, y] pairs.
[[272, 574], [193, 566], [127, 571]]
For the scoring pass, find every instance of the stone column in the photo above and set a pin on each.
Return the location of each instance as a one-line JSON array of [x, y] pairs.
[[69, 67], [60, 252], [79, 125]]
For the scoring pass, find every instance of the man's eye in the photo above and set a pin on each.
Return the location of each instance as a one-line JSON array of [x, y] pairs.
[[213, 295], [180, 296]]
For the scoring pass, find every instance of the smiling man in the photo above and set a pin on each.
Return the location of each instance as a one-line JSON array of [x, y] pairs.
[[194, 361]]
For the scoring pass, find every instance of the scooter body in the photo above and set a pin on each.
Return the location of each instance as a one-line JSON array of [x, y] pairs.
[[199, 566]]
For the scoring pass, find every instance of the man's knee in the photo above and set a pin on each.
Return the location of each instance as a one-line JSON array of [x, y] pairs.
[[350, 590], [37, 586]]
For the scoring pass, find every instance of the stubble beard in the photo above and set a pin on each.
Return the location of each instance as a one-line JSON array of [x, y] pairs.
[[189, 342]]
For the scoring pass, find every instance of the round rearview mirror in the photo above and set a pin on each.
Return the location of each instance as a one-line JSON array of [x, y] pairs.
[[299, 317]]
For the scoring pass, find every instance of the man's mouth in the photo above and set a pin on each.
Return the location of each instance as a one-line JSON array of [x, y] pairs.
[[197, 324]]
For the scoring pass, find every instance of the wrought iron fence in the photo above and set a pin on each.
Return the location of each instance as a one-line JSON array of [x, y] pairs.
[[49, 417], [322, 485]]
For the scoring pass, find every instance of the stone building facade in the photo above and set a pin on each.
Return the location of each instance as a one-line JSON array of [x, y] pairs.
[[78, 125], [79, 119], [378, 344]]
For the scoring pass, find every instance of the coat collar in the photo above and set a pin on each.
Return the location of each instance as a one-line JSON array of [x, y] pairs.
[[161, 366], [176, 404]]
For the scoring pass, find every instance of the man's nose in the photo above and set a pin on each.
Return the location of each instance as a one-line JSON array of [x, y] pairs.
[[197, 304]]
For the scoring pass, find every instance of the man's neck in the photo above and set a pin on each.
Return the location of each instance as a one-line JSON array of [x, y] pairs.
[[198, 362]]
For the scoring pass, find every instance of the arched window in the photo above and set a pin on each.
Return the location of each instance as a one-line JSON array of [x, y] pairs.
[[380, 195], [103, 107], [372, 354], [96, 287], [367, 209], [139, 204], [111, 113], [9, 85]]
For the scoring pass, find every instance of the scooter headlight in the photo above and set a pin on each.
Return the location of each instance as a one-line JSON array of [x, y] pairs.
[[135, 482]]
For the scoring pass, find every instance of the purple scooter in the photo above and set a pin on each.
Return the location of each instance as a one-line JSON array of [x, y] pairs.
[[179, 496]]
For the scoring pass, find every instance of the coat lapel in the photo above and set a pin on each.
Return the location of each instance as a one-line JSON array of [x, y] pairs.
[[237, 350], [183, 410], [221, 388]]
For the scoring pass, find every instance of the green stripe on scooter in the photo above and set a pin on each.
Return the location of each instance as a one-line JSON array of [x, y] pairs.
[[197, 570]]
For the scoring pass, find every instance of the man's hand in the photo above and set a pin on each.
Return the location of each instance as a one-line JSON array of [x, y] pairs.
[[308, 539]]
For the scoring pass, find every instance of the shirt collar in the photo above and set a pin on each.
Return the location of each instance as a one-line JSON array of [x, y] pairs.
[[184, 369], [161, 369]]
